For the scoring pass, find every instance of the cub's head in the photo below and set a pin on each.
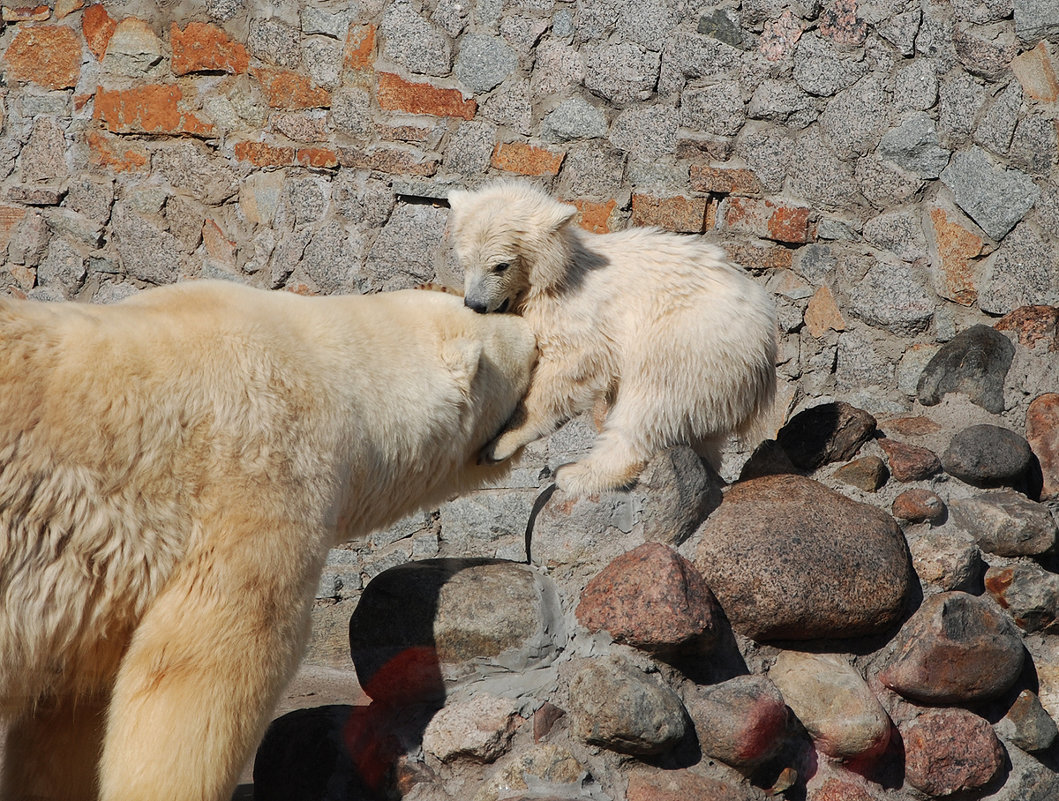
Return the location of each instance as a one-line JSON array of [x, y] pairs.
[[509, 237]]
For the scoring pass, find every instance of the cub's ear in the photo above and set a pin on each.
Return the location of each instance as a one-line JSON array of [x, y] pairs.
[[462, 357], [559, 214]]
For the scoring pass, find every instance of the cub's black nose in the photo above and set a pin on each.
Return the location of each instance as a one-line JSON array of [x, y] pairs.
[[475, 305]]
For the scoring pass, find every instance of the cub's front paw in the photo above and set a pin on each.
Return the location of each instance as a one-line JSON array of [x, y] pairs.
[[589, 478]]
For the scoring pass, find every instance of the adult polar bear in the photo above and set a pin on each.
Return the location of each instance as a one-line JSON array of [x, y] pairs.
[[173, 470], [681, 341]]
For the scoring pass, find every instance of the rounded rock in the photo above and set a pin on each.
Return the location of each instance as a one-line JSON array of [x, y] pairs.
[[741, 721], [950, 750], [614, 705], [947, 558], [830, 432], [651, 598], [1029, 593], [956, 648], [1006, 523], [867, 473], [833, 702], [987, 456], [1042, 433], [918, 506], [771, 532], [910, 462]]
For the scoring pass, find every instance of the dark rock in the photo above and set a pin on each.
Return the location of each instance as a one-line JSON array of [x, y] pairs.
[[771, 534], [675, 493], [949, 750], [768, 459], [1005, 523], [910, 462], [741, 721], [955, 648], [1027, 724], [975, 362], [1042, 434], [614, 705], [303, 757], [651, 598], [987, 456], [544, 718], [830, 432], [1028, 592], [918, 506], [867, 473], [423, 624]]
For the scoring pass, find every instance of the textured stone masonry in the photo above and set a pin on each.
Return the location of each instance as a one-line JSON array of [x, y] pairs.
[[888, 170]]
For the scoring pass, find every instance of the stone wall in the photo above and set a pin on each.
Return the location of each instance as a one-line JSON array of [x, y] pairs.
[[887, 169]]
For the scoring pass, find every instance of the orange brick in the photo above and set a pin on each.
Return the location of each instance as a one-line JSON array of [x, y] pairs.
[[594, 217], [290, 90], [147, 109], [724, 180], [1035, 70], [397, 94], [97, 28], [115, 154], [320, 157], [683, 214], [360, 47], [206, 48], [526, 159], [48, 55], [767, 219], [25, 13], [957, 248], [264, 155]]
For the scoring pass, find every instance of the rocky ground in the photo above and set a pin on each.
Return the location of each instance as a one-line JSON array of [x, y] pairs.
[[866, 610]]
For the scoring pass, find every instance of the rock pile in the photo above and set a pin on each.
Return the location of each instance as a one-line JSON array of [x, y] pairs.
[[796, 641]]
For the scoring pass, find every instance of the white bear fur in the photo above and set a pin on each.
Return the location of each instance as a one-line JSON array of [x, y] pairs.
[[173, 470], [682, 342]]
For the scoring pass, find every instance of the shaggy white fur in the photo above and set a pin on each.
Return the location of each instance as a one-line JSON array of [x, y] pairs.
[[681, 341], [173, 470]]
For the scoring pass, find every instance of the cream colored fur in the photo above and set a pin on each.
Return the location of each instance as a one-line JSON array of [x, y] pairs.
[[679, 339], [173, 470]]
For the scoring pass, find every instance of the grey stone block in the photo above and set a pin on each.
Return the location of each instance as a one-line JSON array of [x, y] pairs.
[[592, 171], [63, 268], [323, 60], [647, 22], [998, 123], [274, 41], [821, 69], [900, 232], [413, 41], [511, 105], [894, 297], [916, 86], [859, 363], [224, 10], [960, 99], [693, 55], [648, 131], [981, 12], [472, 524], [351, 111], [820, 175], [557, 66], [855, 117], [327, 22], [484, 61], [1022, 272], [780, 101], [1036, 19], [901, 30], [769, 151], [147, 252], [193, 168], [716, 109], [913, 145], [1033, 145], [470, 148], [451, 15], [407, 250], [883, 183], [622, 73], [575, 118], [993, 197], [332, 258]]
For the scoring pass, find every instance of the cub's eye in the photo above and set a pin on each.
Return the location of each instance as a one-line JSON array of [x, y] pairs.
[[501, 267]]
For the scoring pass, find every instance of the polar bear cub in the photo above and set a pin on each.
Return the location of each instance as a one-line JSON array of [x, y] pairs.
[[173, 470], [680, 341]]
